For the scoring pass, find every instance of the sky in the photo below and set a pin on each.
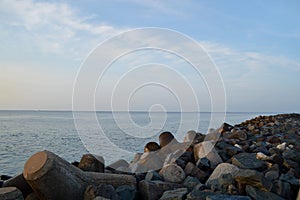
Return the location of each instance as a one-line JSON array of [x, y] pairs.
[[254, 46]]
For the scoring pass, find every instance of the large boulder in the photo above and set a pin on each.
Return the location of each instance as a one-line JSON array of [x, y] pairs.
[[177, 194], [172, 173], [248, 161], [206, 149], [254, 178], [221, 169]]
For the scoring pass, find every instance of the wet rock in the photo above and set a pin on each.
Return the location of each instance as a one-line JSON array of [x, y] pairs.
[[10, 193], [247, 161], [177, 194], [257, 194], [172, 173], [93, 163], [126, 192], [226, 196], [206, 149], [221, 169], [190, 182], [193, 170], [153, 190], [153, 176], [254, 178]]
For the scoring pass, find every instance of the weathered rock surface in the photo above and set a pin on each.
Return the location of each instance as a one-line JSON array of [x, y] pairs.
[[172, 173], [247, 161], [178, 194], [254, 178], [257, 194]]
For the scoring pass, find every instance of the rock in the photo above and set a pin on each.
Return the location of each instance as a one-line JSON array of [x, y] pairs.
[[92, 163], [193, 138], [177, 194], [224, 181], [199, 194], [153, 176], [206, 149], [10, 193], [126, 192], [203, 163], [272, 175], [232, 150], [227, 197], [254, 178], [5, 177], [236, 134], [262, 156], [290, 179], [1, 183], [225, 127], [247, 161], [257, 194], [281, 146], [193, 170], [172, 173], [291, 155], [106, 191], [119, 163], [221, 169], [153, 190], [32, 196], [283, 189], [20, 183], [190, 182]]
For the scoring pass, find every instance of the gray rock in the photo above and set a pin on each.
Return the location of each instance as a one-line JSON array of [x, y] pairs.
[[225, 127], [172, 173], [221, 169], [177, 194], [126, 192], [193, 170], [206, 149], [191, 182], [247, 161], [153, 190], [272, 175], [199, 194], [291, 155], [106, 191], [153, 175], [254, 178], [257, 194], [232, 150], [227, 197]]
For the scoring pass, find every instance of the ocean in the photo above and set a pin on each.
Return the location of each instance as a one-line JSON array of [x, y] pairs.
[[114, 136]]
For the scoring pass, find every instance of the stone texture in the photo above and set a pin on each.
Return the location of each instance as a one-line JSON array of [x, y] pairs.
[[190, 182], [257, 194], [153, 175], [126, 192], [172, 173], [199, 194], [254, 178], [193, 170], [177, 194], [283, 189], [10, 193], [227, 197], [153, 190], [221, 169], [93, 163], [247, 161], [206, 149], [106, 191]]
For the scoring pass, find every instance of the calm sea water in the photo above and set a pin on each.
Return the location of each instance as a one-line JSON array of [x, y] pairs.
[[113, 136]]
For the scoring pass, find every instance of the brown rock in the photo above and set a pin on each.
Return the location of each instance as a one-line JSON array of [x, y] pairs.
[[172, 173], [193, 170], [92, 163]]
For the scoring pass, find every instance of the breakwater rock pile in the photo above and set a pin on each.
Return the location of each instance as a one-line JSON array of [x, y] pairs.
[[257, 159]]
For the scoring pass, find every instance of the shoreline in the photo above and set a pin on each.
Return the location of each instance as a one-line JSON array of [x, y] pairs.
[[261, 157]]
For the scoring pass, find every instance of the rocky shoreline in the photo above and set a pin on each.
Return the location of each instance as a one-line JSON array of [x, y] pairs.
[[257, 159]]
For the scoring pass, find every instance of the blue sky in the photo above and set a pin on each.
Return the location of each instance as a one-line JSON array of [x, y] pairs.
[[255, 46]]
